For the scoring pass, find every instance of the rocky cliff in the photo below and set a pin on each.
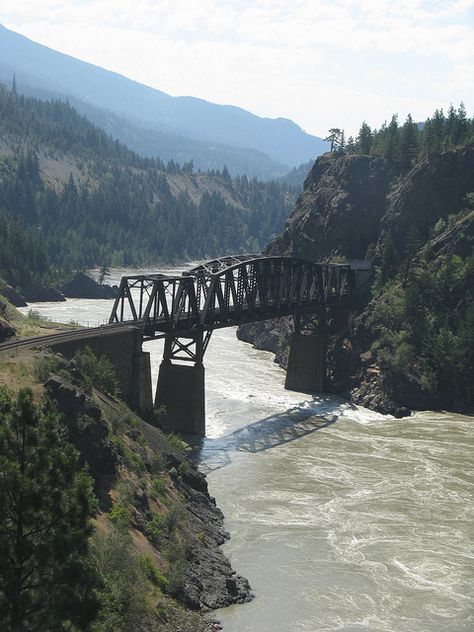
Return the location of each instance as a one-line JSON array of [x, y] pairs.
[[340, 193], [406, 344]]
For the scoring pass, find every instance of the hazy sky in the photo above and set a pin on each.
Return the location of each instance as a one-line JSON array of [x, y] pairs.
[[322, 63]]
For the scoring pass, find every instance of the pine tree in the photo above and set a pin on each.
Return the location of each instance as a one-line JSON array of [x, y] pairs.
[[364, 139], [391, 145], [408, 143], [46, 581]]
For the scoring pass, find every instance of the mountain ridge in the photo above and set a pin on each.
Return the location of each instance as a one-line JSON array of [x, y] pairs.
[[74, 198], [283, 140], [165, 145]]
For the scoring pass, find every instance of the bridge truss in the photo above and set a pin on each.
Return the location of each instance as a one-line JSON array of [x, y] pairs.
[[224, 292]]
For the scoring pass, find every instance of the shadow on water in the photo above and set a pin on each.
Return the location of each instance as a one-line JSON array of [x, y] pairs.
[[264, 434]]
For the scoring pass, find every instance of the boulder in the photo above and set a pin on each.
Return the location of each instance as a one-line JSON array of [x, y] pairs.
[[40, 294], [82, 286]]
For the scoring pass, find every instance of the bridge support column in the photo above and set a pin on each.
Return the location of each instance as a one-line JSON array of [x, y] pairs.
[[142, 401], [306, 364], [181, 386], [181, 390]]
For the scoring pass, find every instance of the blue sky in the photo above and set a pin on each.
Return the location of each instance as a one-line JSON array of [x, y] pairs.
[[322, 63]]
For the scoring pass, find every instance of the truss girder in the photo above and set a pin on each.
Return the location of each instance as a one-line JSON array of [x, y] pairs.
[[230, 291]]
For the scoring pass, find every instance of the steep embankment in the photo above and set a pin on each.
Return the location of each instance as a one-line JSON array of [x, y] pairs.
[[154, 511], [411, 345]]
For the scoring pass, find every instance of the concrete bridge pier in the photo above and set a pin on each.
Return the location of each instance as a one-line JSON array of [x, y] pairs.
[[306, 363], [181, 386], [306, 370]]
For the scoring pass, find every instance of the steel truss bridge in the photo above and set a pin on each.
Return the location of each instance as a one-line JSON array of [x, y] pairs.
[[185, 309]]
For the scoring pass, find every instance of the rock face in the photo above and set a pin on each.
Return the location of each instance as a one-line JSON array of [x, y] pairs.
[[15, 298], [6, 328], [82, 286], [348, 203], [40, 294], [431, 190], [87, 430], [209, 581], [339, 211]]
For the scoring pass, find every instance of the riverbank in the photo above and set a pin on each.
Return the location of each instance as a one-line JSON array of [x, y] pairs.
[[341, 518]]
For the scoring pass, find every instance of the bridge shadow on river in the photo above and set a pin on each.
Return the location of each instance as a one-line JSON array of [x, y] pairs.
[[273, 431]]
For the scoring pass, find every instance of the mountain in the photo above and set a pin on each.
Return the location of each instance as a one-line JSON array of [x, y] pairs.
[[71, 197], [188, 117], [166, 146], [410, 341], [297, 176]]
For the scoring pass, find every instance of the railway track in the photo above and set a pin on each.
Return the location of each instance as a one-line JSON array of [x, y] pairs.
[[61, 336]]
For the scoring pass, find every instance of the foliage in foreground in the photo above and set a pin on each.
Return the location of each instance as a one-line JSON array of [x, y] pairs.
[[47, 581]]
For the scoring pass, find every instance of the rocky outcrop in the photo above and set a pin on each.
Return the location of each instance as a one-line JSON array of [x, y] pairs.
[[348, 203], [339, 211], [432, 190], [40, 294], [82, 286], [208, 579], [6, 328], [269, 335], [87, 431], [15, 298]]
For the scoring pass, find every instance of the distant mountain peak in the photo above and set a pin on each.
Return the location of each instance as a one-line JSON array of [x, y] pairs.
[[44, 68]]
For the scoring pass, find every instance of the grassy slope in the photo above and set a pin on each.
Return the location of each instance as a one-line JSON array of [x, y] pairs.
[[142, 517]]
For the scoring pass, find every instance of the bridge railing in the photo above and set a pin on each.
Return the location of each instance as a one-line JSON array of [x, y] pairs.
[[230, 291]]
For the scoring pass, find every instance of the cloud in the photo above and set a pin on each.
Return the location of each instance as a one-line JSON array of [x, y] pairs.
[[324, 63]]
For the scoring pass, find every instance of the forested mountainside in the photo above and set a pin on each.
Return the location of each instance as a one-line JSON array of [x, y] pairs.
[[297, 176], [281, 139], [411, 342], [167, 146], [72, 197]]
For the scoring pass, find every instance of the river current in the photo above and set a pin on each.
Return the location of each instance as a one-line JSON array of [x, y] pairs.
[[341, 519]]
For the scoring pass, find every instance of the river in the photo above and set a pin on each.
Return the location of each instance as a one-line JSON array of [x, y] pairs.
[[341, 519]]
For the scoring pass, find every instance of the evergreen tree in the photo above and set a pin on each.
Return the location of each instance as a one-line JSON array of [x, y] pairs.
[[408, 144], [364, 139], [391, 144], [46, 581]]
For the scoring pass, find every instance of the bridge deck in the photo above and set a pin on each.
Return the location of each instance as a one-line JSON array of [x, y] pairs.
[[230, 291]]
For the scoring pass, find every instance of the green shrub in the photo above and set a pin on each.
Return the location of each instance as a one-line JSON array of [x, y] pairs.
[[176, 554], [152, 572], [157, 463], [176, 443], [124, 593], [97, 372], [157, 525], [183, 468], [35, 316], [164, 523], [44, 366], [158, 487], [119, 515]]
